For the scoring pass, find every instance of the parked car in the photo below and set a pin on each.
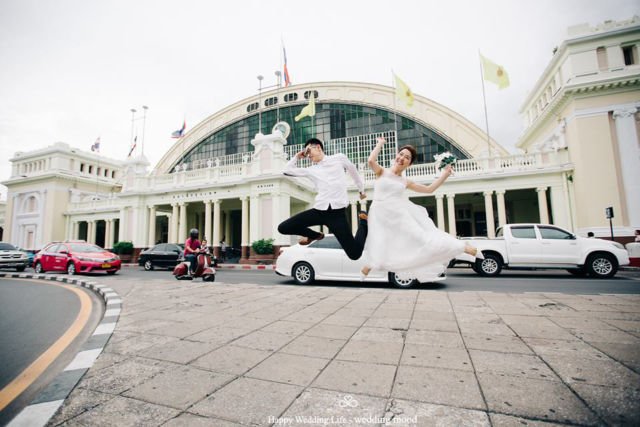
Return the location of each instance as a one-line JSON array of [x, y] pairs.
[[162, 255], [31, 254], [76, 257], [12, 257], [325, 260], [542, 246]]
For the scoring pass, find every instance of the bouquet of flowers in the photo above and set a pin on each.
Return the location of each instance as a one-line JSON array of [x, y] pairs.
[[444, 159]]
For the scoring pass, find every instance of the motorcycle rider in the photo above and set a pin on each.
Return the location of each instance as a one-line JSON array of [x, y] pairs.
[[192, 249]]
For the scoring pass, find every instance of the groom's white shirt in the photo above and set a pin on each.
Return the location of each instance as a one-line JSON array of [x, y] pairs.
[[328, 177]]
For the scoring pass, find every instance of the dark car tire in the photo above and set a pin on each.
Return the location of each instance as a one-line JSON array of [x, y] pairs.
[[490, 266], [38, 268], [148, 265], [71, 269], [602, 265], [209, 278], [111, 273], [401, 283], [20, 269], [578, 272], [303, 273]]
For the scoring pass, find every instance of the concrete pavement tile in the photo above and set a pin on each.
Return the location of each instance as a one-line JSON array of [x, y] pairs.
[[79, 400], [388, 322], [435, 338], [439, 386], [119, 335], [323, 330], [181, 330], [219, 334], [538, 399], [231, 359], [473, 309], [179, 388], [499, 343], [411, 414], [289, 328], [572, 348], [536, 327], [496, 329], [611, 336], [121, 411], [346, 320], [371, 352], [436, 357], [122, 376], [305, 316], [147, 325], [475, 318], [288, 368], [313, 346], [105, 360], [191, 420], [628, 354], [259, 340], [324, 407], [444, 307], [590, 371], [500, 420], [433, 315], [379, 335], [617, 406], [404, 313], [137, 344], [248, 401], [512, 307], [515, 365], [631, 326], [435, 325], [357, 377], [582, 322], [180, 351]]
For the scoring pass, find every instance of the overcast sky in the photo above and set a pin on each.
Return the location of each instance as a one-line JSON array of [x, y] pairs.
[[71, 70]]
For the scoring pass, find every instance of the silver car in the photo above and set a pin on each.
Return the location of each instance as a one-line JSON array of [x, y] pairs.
[[12, 257]]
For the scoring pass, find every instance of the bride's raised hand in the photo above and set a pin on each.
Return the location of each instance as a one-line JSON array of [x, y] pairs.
[[381, 140], [448, 171]]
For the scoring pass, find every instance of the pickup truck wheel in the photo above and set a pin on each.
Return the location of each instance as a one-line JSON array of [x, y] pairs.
[[490, 266], [602, 265]]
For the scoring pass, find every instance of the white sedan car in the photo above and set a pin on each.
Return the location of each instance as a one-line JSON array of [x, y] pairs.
[[325, 260]]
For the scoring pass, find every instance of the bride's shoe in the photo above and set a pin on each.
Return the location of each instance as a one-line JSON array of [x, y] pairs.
[[479, 254], [364, 273]]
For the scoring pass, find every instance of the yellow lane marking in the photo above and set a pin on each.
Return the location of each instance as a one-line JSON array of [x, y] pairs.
[[33, 371]]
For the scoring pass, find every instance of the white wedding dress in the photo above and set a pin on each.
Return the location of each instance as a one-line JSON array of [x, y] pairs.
[[402, 238]]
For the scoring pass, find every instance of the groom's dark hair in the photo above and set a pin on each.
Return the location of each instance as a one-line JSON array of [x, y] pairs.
[[315, 141]]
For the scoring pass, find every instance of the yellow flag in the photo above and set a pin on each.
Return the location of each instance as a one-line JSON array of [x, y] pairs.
[[403, 91], [494, 73], [309, 109]]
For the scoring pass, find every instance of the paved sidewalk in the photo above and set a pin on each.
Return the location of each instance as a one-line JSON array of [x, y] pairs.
[[195, 354]]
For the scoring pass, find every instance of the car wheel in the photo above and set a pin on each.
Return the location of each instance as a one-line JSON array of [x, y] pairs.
[[490, 266], [579, 272], [71, 269], [38, 268], [21, 268], [148, 265], [602, 265], [303, 273], [111, 273], [401, 283], [209, 278]]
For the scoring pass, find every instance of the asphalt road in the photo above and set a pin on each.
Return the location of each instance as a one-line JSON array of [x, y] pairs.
[[34, 315]]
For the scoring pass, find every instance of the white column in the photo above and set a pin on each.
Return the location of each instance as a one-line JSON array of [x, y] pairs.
[[488, 209], [560, 207], [254, 219], [152, 226], [207, 222], [173, 229], [451, 211], [244, 240], [502, 211], [122, 226], [629, 152], [542, 205], [227, 227], [76, 230], [216, 224], [110, 232], [91, 233], [440, 211], [107, 230], [354, 217], [182, 233]]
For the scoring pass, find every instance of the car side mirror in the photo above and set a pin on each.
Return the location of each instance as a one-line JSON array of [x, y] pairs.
[[64, 252]]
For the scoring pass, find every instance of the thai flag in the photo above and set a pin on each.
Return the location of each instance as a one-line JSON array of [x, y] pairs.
[[178, 133], [96, 145], [287, 79]]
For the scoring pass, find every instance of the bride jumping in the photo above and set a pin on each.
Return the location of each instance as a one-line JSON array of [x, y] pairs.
[[402, 238]]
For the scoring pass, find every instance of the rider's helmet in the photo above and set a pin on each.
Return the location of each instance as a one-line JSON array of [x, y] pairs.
[[194, 233]]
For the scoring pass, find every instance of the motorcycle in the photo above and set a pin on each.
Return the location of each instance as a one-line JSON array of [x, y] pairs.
[[204, 269]]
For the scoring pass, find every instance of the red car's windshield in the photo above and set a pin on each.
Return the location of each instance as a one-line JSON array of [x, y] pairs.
[[85, 248]]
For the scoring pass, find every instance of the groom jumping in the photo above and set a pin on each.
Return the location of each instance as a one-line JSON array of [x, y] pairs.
[[327, 174]]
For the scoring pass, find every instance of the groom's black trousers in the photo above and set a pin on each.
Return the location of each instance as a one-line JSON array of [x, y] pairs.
[[336, 221]]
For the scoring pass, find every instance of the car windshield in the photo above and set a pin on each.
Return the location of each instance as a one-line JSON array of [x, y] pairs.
[[7, 247], [85, 248]]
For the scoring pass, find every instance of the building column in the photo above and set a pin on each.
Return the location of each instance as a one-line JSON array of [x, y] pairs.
[[354, 217], [244, 241], [488, 209], [207, 222], [216, 228], [122, 225], [91, 232], [542, 205], [107, 230], [110, 231], [502, 211], [440, 211], [451, 211], [629, 154], [227, 228], [173, 225], [182, 233], [152, 226], [76, 230]]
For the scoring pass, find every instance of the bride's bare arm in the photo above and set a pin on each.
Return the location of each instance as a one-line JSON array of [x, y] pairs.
[[373, 157], [420, 188]]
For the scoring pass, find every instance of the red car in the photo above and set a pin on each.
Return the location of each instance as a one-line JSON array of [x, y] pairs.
[[75, 257]]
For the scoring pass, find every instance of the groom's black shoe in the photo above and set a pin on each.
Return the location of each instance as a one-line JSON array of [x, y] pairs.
[[306, 240]]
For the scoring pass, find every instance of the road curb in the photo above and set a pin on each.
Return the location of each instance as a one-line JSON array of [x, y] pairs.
[[47, 402], [228, 266]]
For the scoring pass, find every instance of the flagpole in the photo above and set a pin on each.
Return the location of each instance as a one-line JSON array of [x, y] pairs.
[[133, 113], [484, 100], [144, 122], [395, 109]]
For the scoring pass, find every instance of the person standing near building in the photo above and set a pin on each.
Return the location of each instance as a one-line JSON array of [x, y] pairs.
[[329, 209], [223, 249]]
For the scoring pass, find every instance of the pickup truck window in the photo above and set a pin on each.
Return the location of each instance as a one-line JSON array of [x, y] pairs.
[[523, 232], [554, 233]]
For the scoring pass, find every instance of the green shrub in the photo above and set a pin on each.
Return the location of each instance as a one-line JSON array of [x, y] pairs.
[[263, 246], [123, 248]]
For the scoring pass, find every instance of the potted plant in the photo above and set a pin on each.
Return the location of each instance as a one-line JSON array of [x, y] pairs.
[[124, 249]]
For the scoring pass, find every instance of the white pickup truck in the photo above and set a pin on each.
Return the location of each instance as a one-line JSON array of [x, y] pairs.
[[540, 246]]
